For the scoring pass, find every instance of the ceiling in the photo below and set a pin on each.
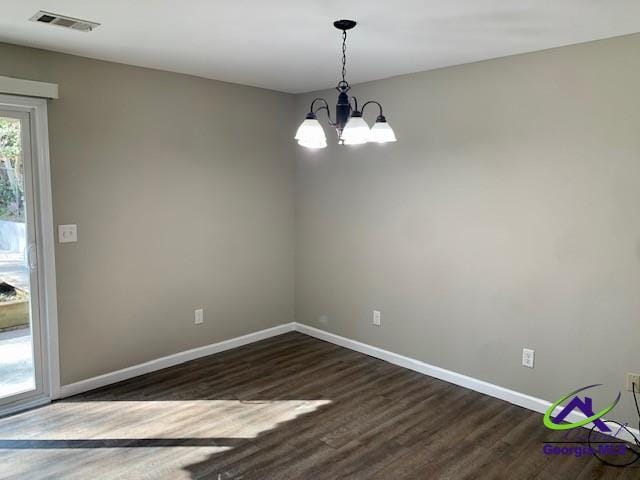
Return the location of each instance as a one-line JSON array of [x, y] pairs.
[[291, 45]]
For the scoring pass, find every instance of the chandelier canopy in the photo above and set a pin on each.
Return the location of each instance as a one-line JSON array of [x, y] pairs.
[[349, 122]]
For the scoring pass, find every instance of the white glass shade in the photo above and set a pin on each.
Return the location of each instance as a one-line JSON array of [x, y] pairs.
[[355, 132], [316, 143], [381, 132], [310, 134]]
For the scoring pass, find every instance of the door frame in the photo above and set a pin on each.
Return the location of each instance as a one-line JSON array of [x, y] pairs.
[[45, 256]]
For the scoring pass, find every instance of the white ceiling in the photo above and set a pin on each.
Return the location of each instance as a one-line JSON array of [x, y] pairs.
[[291, 45]]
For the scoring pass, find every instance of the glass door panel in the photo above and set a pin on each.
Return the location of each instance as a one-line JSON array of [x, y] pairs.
[[20, 353]]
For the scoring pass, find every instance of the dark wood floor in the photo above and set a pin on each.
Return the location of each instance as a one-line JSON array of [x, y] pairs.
[[291, 407]]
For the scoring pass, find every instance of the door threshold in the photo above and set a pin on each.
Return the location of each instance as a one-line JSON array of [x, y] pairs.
[[22, 405]]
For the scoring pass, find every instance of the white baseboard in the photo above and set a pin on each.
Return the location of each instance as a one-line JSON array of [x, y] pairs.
[[516, 398], [171, 360]]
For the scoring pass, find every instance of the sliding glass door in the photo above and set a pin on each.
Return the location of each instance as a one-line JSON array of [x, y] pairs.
[[21, 347]]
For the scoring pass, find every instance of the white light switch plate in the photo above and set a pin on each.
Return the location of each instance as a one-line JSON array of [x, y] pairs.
[[376, 318], [67, 233], [198, 316]]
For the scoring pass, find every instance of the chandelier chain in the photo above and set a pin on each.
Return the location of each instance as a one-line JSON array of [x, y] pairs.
[[344, 56]]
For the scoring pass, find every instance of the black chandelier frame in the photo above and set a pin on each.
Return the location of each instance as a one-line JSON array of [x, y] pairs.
[[344, 109]]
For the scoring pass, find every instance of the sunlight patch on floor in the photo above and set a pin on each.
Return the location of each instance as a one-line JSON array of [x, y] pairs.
[[174, 434], [108, 463], [157, 419]]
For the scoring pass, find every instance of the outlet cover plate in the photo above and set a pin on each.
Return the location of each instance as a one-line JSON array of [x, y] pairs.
[[528, 357], [631, 379]]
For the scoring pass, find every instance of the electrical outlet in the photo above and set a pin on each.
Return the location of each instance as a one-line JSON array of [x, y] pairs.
[[631, 379], [528, 357], [376, 318], [199, 316]]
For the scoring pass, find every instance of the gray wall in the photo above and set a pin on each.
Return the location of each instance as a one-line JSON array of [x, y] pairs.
[[507, 216], [182, 191]]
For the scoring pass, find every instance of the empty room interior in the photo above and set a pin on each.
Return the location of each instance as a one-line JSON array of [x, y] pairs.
[[319, 240]]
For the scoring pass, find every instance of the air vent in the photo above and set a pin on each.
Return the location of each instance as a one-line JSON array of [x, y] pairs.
[[62, 21]]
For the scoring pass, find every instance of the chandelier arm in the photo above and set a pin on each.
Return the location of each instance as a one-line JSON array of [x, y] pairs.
[[326, 107], [318, 99], [355, 103], [374, 102]]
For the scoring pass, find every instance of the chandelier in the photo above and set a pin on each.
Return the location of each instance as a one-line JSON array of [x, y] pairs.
[[349, 124]]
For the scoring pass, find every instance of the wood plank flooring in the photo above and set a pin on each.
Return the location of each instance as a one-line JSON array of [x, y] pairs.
[[290, 407]]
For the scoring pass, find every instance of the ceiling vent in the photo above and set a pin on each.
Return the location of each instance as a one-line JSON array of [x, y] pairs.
[[62, 21]]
